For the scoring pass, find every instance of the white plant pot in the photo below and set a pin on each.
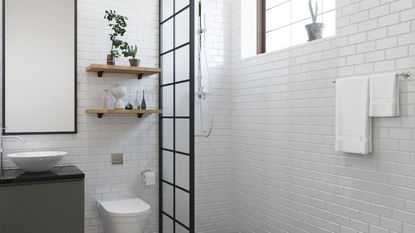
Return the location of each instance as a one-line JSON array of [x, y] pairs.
[[119, 91]]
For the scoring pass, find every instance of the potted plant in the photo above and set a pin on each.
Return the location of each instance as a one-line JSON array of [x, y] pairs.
[[117, 23], [314, 30], [132, 52]]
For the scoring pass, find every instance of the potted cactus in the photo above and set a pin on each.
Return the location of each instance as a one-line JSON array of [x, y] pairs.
[[314, 30], [131, 51], [118, 24]]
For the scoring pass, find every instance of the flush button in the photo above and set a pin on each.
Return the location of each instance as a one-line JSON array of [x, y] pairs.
[[117, 158]]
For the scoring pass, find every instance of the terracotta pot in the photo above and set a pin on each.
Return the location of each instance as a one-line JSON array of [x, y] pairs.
[[110, 60], [134, 62], [315, 31]]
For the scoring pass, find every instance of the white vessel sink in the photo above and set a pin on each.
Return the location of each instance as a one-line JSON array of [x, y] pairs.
[[37, 161]]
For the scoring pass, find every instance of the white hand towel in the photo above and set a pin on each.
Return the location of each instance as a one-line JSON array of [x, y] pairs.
[[353, 124], [384, 95]]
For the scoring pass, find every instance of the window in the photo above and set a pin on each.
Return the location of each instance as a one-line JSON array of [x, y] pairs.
[[281, 23]]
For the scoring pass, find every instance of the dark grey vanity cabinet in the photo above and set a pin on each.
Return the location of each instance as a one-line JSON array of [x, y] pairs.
[[50, 202]]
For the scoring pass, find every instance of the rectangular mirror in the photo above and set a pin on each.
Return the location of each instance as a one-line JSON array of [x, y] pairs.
[[39, 66]]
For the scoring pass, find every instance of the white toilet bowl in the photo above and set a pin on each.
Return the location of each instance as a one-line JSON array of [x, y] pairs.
[[124, 216]]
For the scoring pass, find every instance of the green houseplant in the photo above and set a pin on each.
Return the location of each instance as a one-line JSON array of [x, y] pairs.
[[314, 30], [131, 51], [118, 24]]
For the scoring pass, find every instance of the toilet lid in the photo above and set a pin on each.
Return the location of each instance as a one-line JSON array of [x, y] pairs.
[[125, 208]]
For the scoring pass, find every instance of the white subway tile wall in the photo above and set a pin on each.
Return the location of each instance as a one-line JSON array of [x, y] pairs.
[[213, 155], [91, 148], [286, 176], [270, 164]]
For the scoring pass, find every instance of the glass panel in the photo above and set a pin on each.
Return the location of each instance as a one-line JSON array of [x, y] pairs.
[[182, 135], [182, 171], [180, 4], [182, 28], [329, 20], [167, 224], [167, 30], [182, 63], [300, 10], [278, 39], [329, 5], [167, 68], [168, 134], [182, 207], [168, 199], [168, 166], [175, 33], [299, 33], [279, 16], [180, 229], [272, 3], [167, 100], [182, 99], [167, 9]]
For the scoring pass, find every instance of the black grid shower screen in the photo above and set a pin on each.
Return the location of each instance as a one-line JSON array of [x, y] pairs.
[[176, 187]]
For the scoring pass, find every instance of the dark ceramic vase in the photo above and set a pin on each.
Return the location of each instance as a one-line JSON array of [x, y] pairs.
[[143, 103], [129, 106]]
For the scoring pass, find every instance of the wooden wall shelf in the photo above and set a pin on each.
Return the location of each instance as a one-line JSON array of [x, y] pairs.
[[100, 69], [101, 111]]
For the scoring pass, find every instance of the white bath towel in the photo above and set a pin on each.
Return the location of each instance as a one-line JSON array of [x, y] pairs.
[[384, 95], [353, 124]]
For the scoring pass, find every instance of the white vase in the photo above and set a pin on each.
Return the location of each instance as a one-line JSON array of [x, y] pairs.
[[119, 91], [108, 100]]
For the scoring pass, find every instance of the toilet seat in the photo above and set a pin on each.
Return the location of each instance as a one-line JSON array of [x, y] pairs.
[[125, 208]]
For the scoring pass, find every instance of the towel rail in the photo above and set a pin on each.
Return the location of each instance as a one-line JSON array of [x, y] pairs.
[[404, 75]]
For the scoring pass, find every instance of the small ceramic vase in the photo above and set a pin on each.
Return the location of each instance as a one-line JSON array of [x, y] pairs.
[[119, 91], [129, 106], [143, 103]]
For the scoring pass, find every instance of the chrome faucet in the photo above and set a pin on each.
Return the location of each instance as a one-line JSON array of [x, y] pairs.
[[1, 150]]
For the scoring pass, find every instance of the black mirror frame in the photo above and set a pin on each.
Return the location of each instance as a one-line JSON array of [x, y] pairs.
[[75, 131]]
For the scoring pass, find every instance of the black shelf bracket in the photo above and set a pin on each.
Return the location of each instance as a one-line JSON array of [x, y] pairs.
[[100, 115], [100, 73]]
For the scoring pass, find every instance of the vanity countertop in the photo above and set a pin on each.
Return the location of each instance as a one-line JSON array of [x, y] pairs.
[[60, 173]]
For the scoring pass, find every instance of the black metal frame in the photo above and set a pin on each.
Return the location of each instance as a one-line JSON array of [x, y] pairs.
[[191, 190], [261, 28], [4, 75]]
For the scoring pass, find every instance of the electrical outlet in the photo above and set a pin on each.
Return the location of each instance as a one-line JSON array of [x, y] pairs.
[[117, 158]]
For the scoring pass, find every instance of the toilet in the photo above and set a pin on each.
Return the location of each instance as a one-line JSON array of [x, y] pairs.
[[124, 216]]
